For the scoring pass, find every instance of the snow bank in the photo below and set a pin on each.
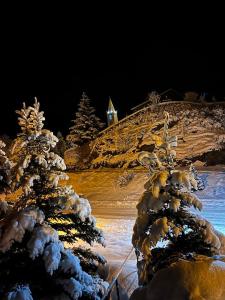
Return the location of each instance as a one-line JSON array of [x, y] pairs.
[[198, 280]]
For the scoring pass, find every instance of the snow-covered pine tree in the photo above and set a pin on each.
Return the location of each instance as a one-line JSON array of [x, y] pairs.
[[86, 124], [34, 263], [165, 229]]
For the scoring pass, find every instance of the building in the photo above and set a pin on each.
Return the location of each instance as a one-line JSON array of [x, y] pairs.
[[112, 117]]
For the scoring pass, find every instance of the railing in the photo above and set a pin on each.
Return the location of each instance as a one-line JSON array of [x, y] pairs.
[[115, 282]]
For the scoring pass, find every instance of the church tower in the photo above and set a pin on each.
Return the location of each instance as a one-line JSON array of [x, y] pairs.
[[111, 114]]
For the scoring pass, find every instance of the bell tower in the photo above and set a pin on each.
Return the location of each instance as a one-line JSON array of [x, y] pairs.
[[111, 114]]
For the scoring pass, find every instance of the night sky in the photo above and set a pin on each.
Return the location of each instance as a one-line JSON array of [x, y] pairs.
[[125, 69]]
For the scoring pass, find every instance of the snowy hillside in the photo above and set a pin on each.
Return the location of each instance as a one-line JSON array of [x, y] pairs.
[[200, 129]]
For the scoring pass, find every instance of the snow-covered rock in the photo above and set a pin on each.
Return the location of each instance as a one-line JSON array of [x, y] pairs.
[[203, 279]]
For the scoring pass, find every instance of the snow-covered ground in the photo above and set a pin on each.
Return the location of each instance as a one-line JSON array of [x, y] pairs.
[[118, 248], [118, 230], [118, 233], [109, 201], [115, 210], [214, 211]]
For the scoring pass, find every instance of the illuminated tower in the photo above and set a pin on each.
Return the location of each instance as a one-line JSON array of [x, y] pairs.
[[111, 114]]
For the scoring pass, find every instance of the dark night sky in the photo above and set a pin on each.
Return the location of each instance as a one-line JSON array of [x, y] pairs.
[[59, 68]]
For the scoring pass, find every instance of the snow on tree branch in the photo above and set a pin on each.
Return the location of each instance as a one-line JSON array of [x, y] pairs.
[[163, 214], [45, 214], [31, 118]]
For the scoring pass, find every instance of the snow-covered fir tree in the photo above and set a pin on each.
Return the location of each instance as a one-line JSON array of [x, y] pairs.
[[34, 262], [86, 124], [165, 229]]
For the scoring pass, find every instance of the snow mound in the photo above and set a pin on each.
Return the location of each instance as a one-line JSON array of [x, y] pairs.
[[200, 279]]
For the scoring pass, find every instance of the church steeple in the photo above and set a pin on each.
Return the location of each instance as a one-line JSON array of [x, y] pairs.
[[111, 114]]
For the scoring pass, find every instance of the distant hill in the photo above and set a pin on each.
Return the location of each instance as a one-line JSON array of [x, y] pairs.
[[200, 128]]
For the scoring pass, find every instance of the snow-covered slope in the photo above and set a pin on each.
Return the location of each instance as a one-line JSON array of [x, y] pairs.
[[200, 129]]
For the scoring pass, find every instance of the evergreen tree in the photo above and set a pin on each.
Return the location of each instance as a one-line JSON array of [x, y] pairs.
[[34, 263], [86, 124], [165, 230]]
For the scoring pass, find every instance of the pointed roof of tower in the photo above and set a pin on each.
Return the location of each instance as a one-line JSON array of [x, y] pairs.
[[111, 107]]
